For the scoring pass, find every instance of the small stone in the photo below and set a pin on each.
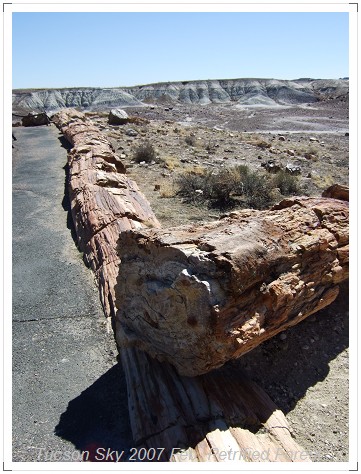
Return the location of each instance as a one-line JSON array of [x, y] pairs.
[[131, 132], [283, 336]]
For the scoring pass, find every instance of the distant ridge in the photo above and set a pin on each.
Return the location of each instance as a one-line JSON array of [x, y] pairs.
[[248, 91]]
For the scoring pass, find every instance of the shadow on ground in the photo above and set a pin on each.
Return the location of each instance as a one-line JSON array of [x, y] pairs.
[[98, 418], [284, 368], [287, 366], [66, 200]]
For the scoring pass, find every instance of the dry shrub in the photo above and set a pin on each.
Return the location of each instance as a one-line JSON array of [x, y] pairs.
[[167, 190], [288, 184], [145, 152], [227, 188], [191, 140], [191, 186], [169, 162], [255, 187], [220, 186]]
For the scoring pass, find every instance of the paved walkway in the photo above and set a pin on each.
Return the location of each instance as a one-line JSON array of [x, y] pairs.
[[69, 393]]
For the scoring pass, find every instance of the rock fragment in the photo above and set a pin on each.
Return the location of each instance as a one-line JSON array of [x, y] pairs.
[[118, 117]]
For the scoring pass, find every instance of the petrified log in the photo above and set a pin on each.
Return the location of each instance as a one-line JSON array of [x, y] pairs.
[[207, 416], [104, 201], [217, 417], [199, 296]]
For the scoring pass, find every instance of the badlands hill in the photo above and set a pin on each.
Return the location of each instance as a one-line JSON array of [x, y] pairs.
[[264, 92]]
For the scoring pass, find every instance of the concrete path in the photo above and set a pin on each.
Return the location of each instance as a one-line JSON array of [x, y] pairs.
[[69, 393]]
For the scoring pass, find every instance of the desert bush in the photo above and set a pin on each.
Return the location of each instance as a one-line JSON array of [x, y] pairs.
[[191, 185], [288, 184], [145, 152], [255, 187], [227, 188], [220, 186], [191, 140]]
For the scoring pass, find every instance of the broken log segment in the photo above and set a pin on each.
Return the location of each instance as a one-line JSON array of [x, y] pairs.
[[197, 297], [221, 416], [104, 201]]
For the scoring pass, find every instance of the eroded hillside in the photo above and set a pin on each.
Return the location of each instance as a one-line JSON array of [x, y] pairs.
[[266, 92]]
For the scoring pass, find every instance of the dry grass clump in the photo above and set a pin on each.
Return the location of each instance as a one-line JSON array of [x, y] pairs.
[[256, 140], [145, 152], [287, 184], [138, 120], [169, 162], [237, 186], [167, 190]]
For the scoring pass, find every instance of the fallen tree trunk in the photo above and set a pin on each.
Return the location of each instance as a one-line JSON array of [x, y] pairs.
[[104, 201], [197, 297]]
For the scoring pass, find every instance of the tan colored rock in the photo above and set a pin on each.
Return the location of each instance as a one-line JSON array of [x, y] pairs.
[[200, 296], [118, 117], [337, 191]]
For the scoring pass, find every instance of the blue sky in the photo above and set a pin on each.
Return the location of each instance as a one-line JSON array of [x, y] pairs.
[[124, 49]]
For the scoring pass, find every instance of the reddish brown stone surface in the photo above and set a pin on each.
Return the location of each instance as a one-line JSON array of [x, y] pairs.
[[104, 201], [200, 296]]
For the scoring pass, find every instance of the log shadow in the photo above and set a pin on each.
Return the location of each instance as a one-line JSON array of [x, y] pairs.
[[233, 396], [98, 420], [66, 199], [287, 366]]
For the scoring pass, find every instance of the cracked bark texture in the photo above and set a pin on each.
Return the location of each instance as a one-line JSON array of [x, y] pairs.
[[197, 297], [104, 201]]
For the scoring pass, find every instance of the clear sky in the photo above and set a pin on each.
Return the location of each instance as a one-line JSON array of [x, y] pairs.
[[124, 49]]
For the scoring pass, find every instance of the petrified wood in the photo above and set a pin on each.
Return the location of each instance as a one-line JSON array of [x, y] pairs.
[[104, 201], [221, 416], [197, 297]]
